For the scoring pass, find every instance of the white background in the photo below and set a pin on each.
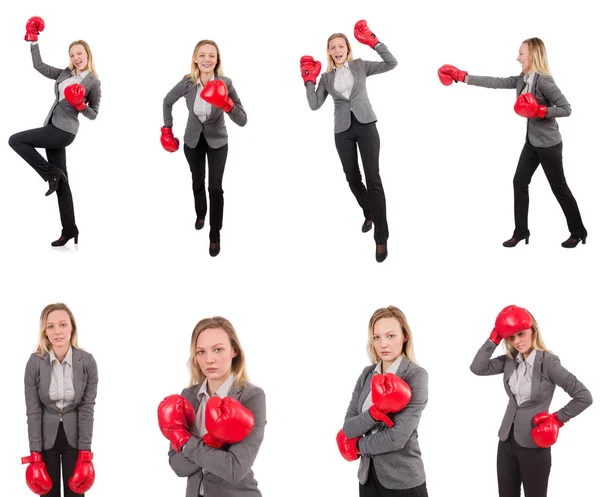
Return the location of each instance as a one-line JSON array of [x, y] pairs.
[[295, 275]]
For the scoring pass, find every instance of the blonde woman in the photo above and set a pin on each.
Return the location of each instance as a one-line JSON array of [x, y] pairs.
[[60, 392], [217, 424], [354, 120], [531, 373], [385, 410], [208, 95], [77, 90], [541, 102]]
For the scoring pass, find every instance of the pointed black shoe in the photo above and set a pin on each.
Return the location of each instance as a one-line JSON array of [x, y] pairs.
[[199, 224], [214, 249], [573, 241], [64, 239], [54, 182], [381, 252], [367, 225], [514, 241]]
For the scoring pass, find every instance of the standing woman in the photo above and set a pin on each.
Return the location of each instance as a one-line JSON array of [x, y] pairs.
[[77, 90], [530, 374], [383, 415], [208, 94], [60, 392], [541, 102], [354, 120], [217, 424]]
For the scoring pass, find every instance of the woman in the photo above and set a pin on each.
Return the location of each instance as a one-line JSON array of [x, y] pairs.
[[77, 90], [208, 94], [60, 392], [383, 415], [541, 102], [217, 424], [345, 81], [531, 373]]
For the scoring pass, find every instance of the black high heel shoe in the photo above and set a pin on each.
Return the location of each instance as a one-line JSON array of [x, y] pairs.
[[64, 239], [573, 241], [514, 241], [214, 249], [54, 182], [367, 225], [199, 224], [381, 252]]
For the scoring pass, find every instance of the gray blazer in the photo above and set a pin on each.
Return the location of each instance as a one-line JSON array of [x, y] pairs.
[[226, 473], [64, 116], [547, 373], [541, 132], [43, 417], [394, 451], [358, 103], [213, 128]]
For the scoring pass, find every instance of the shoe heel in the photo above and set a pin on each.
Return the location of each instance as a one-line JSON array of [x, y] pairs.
[[527, 241], [76, 239], [583, 240]]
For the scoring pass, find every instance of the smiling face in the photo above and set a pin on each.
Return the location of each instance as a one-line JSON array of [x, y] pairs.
[[524, 58], [58, 330], [522, 342], [214, 354], [79, 57], [206, 58], [388, 340], [338, 51]]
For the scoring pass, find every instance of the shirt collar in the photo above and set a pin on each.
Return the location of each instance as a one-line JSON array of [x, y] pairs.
[[81, 75], [528, 78], [68, 358], [221, 392], [212, 78], [345, 66], [530, 359], [393, 368]]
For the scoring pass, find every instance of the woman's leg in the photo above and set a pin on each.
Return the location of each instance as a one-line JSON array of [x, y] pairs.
[[196, 158], [58, 157], [509, 476], [217, 157], [534, 465], [528, 163]]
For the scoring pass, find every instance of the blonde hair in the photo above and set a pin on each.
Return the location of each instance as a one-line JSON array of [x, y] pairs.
[[238, 364], [539, 59], [536, 338], [44, 344], [194, 74], [90, 64], [330, 61], [391, 312]]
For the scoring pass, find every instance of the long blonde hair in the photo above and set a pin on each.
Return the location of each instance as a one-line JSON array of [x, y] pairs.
[[391, 312], [330, 61], [238, 364], [194, 74], [44, 344], [536, 338], [539, 59], [90, 64]]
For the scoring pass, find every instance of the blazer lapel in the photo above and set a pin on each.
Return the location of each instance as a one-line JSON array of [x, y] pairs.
[[509, 367], [403, 368], [77, 366], [520, 84], [366, 389], [354, 71], [45, 377], [536, 376]]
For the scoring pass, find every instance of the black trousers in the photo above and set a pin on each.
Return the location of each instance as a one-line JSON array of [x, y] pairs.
[[551, 160], [517, 465], [61, 454], [55, 141], [217, 157], [372, 198], [373, 488]]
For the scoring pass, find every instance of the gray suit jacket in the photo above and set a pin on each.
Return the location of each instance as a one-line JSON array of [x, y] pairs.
[[394, 451], [541, 132], [43, 416], [358, 103], [213, 128], [547, 373], [64, 116], [226, 473]]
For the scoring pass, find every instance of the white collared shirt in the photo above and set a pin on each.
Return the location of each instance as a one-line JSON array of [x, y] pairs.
[[344, 80], [61, 391], [528, 78], [202, 108], [520, 380], [75, 78]]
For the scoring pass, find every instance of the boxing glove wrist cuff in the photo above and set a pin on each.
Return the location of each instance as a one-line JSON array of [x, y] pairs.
[[541, 114], [378, 415]]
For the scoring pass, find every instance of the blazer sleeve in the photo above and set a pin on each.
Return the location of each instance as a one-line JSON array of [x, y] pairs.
[[44, 69], [558, 106], [95, 94], [178, 91], [180, 464], [33, 404], [85, 410], [482, 365], [581, 398], [358, 423], [496, 83], [405, 421], [389, 61], [232, 465], [237, 114], [316, 98]]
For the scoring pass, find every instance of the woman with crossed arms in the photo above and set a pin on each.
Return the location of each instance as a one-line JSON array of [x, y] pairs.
[[383, 415], [531, 373], [217, 424]]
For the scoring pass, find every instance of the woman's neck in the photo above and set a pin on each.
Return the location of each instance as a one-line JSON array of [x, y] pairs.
[[61, 352], [205, 78]]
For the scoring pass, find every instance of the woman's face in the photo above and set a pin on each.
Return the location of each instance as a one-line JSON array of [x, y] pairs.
[[214, 354], [79, 57], [206, 58], [338, 50], [388, 340], [522, 341], [524, 58], [59, 329]]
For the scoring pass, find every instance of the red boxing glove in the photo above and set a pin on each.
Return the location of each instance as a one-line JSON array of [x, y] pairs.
[[527, 106], [167, 140], [389, 394], [36, 475], [83, 474], [495, 337], [545, 431], [33, 27], [310, 69], [364, 35], [175, 416], [74, 95], [348, 446], [448, 74], [215, 93], [511, 320], [227, 422]]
